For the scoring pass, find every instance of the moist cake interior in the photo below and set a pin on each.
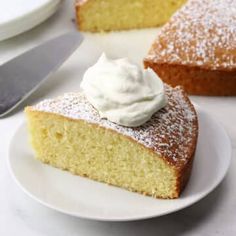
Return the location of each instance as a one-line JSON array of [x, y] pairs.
[[106, 15]]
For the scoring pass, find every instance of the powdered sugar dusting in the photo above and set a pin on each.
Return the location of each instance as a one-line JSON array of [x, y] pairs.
[[202, 33], [169, 132]]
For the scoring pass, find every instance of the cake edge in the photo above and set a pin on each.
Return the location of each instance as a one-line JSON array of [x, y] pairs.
[[196, 80]]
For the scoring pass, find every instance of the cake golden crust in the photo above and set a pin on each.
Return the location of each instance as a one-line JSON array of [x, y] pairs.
[[197, 81], [171, 133], [78, 18], [197, 48]]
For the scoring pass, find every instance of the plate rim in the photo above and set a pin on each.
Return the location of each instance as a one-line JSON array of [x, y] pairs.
[[139, 217], [18, 25]]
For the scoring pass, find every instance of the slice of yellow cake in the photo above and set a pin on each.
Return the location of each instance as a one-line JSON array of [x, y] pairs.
[[154, 159], [108, 15]]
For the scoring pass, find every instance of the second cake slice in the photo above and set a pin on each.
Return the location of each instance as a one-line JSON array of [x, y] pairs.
[[197, 48]]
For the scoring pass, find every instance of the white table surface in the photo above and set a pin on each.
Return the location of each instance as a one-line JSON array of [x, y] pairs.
[[20, 215]]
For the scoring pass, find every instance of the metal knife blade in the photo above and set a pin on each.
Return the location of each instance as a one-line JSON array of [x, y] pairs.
[[22, 75]]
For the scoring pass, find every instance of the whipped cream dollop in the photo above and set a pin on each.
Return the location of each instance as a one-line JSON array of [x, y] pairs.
[[122, 92]]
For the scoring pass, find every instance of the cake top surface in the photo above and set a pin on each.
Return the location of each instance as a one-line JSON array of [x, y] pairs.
[[171, 132], [202, 33]]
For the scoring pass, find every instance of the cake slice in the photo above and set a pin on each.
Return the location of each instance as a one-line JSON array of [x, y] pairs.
[[153, 159], [197, 48], [107, 15]]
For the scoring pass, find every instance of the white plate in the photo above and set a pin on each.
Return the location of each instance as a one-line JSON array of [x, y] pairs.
[[17, 16], [85, 198]]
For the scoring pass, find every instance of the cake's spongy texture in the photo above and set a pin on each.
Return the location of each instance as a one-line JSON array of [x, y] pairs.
[[107, 15], [101, 154]]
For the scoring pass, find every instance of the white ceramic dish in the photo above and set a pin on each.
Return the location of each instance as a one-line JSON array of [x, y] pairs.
[[85, 198], [17, 16]]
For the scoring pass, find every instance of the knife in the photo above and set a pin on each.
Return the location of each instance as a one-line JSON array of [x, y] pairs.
[[22, 75]]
